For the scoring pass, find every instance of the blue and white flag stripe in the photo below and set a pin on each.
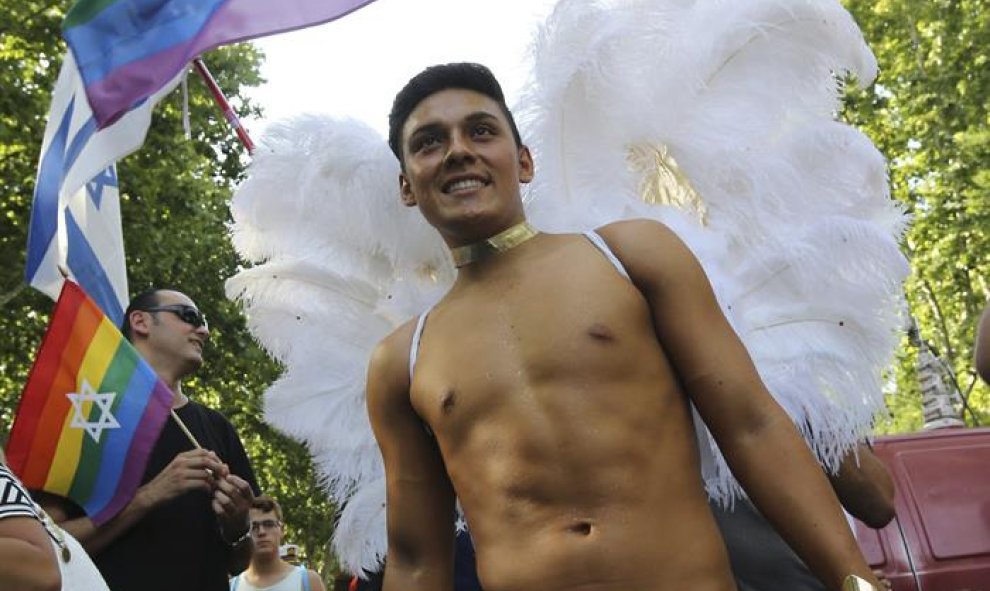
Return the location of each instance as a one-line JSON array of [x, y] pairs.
[[75, 218]]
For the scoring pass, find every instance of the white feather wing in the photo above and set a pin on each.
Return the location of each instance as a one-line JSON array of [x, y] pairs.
[[338, 263], [787, 209]]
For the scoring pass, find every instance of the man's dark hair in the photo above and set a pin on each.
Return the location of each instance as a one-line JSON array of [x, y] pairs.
[[464, 75], [142, 301]]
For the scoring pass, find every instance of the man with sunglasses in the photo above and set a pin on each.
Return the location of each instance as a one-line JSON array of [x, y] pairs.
[[188, 525]]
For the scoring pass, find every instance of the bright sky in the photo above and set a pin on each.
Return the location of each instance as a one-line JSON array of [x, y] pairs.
[[354, 66]]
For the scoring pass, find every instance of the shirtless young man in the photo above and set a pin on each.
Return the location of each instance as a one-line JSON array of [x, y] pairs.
[[549, 392]]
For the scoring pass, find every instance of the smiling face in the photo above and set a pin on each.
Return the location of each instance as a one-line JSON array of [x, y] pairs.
[[462, 166]]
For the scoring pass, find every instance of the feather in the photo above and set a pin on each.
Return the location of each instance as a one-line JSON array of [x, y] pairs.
[[797, 231], [338, 263]]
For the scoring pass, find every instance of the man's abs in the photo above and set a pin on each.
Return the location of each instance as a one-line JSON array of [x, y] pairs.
[[570, 489], [661, 549]]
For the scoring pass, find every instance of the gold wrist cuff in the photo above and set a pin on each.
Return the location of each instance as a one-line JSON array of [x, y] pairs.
[[854, 583]]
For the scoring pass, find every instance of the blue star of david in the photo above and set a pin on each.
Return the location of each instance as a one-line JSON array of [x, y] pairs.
[[95, 187]]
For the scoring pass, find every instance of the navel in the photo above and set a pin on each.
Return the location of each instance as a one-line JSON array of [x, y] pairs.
[[581, 528]]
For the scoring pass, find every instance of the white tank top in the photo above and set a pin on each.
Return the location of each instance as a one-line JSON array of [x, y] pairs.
[[296, 580]]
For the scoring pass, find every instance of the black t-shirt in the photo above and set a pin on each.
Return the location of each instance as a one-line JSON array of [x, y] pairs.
[[177, 545]]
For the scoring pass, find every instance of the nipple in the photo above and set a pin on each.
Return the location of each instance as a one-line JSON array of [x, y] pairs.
[[448, 401], [601, 332]]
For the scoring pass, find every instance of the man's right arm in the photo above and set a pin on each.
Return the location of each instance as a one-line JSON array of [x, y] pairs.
[[187, 471], [420, 510]]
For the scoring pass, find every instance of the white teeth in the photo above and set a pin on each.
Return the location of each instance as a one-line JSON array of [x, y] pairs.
[[465, 184]]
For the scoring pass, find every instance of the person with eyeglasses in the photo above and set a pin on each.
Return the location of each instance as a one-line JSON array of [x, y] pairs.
[[268, 571], [187, 526]]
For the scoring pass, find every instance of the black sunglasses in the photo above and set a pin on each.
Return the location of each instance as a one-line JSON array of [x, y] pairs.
[[186, 313]]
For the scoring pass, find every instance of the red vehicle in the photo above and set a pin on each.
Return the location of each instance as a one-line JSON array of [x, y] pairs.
[[940, 539]]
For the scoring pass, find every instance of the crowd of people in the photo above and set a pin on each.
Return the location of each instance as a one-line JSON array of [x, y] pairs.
[[590, 396]]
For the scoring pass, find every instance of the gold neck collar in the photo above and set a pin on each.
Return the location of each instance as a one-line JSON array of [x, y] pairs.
[[501, 242]]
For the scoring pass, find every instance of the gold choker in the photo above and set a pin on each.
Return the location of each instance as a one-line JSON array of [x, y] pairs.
[[501, 242]]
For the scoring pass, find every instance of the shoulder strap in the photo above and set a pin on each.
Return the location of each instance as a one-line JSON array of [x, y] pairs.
[[234, 582], [304, 572], [601, 245], [414, 346]]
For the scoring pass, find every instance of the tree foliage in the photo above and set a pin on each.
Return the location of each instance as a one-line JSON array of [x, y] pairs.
[[927, 113], [174, 195]]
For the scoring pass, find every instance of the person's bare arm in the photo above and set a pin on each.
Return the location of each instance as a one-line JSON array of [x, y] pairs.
[[763, 448], [315, 582], [27, 560], [420, 511], [864, 487], [187, 471], [981, 356]]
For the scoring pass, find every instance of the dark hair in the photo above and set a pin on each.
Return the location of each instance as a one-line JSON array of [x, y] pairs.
[[464, 75], [142, 301], [268, 505]]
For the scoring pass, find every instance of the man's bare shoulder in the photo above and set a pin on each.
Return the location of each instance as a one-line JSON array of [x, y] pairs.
[[649, 249], [388, 368], [636, 231]]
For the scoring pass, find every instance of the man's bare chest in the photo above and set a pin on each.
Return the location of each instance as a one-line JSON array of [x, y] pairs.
[[529, 342]]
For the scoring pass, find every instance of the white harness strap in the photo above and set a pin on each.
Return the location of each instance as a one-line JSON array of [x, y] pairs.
[[599, 243], [414, 346]]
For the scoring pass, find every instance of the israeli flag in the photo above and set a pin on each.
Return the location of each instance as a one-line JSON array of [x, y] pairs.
[[75, 217]]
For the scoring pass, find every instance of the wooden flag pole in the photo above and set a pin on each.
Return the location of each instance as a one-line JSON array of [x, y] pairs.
[[221, 100], [192, 438], [178, 421]]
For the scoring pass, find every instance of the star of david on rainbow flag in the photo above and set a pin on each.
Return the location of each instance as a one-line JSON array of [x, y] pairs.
[[82, 413], [91, 411]]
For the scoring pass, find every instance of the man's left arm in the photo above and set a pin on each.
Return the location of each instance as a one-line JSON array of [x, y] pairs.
[[864, 487], [766, 453]]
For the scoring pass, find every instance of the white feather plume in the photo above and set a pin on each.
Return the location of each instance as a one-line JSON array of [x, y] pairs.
[[799, 234], [338, 264], [792, 219]]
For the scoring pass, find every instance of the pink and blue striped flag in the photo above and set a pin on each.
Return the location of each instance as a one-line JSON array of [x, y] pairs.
[[75, 216], [128, 49]]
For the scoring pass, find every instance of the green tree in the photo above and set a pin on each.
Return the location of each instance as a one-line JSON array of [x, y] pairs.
[[927, 113], [174, 195]]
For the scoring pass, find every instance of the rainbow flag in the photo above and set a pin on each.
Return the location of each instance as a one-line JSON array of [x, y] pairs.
[[128, 49], [91, 411]]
